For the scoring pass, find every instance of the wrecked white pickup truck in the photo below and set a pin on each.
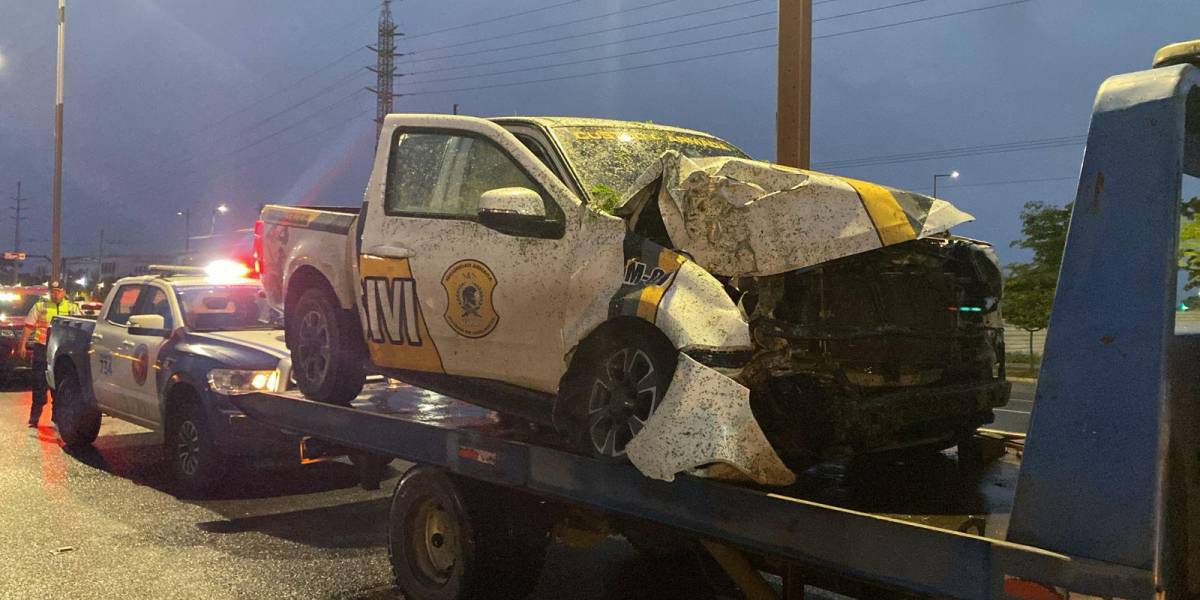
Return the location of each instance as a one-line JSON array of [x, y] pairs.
[[649, 291]]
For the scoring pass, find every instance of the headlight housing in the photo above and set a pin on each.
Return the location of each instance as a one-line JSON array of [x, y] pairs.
[[232, 382]]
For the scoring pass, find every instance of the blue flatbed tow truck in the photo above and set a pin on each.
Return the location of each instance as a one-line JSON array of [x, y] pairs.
[[1101, 500]]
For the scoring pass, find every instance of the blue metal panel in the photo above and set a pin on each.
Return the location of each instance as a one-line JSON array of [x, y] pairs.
[[1091, 478]]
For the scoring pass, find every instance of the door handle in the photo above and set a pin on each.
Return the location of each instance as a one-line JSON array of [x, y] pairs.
[[97, 337], [390, 251], [127, 344]]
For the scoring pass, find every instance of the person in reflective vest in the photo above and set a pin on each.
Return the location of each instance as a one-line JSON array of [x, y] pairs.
[[37, 324]]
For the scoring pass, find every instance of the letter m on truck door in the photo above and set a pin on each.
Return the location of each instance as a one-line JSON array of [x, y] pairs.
[[447, 288]]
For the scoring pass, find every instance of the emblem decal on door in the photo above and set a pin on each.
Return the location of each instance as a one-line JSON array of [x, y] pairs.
[[470, 310], [140, 364]]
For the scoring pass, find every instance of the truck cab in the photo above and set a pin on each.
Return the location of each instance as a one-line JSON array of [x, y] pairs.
[[166, 352]]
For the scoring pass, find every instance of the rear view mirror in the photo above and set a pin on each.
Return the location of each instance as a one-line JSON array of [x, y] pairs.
[[517, 211], [150, 325]]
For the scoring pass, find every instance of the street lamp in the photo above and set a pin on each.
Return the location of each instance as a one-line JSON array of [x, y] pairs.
[[187, 228], [219, 210], [951, 175]]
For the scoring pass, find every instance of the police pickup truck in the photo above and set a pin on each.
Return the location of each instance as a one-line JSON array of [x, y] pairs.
[[166, 352]]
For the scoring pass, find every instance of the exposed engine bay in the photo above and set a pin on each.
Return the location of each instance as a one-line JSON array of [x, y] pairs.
[[900, 346]]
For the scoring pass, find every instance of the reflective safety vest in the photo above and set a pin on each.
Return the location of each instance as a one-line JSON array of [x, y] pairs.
[[47, 310]]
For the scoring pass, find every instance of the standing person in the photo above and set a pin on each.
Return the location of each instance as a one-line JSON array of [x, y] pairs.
[[37, 322]]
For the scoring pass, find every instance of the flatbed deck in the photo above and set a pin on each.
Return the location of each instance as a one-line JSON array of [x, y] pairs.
[[930, 528]]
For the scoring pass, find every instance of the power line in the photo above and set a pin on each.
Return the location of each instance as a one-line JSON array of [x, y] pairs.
[[545, 27], [493, 20], [703, 56], [639, 38], [979, 150], [921, 19], [306, 77], [608, 57], [1002, 182], [574, 36]]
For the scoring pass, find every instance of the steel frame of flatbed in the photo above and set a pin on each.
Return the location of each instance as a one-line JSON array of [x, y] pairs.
[[1113, 379], [873, 548]]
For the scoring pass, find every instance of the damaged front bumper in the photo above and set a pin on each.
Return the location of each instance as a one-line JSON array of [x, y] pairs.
[[704, 425]]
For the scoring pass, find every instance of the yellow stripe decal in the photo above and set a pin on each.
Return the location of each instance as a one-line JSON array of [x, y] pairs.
[[890, 221], [652, 295]]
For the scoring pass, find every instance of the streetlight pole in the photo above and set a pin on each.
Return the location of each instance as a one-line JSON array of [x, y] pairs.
[[951, 175], [219, 210], [56, 207], [187, 228]]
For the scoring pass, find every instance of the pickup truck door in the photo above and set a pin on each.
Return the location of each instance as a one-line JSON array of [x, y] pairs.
[[107, 338], [139, 353], [442, 292]]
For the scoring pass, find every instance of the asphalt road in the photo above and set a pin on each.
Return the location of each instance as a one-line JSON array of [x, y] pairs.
[[1014, 417], [105, 524]]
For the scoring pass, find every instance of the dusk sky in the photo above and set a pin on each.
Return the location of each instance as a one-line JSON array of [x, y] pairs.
[[173, 104]]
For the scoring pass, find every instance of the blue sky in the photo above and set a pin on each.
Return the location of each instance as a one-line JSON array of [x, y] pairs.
[[173, 104]]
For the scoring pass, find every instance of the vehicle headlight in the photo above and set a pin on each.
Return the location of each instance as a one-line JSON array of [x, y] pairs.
[[232, 382]]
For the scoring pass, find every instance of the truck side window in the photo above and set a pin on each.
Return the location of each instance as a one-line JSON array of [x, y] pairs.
[[413, 169], [444, 174], [154, 302], [123, 304]]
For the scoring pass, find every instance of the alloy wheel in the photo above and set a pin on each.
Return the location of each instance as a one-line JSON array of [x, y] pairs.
[[624, 395]]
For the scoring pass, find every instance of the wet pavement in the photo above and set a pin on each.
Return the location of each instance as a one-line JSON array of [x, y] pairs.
[[106, 524], [1014, 416]]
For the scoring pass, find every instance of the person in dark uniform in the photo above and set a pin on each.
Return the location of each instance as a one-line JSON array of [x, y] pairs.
[[37, 324]]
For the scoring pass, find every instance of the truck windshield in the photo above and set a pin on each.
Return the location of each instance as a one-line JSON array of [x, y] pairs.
[[224, 308], [608, 159], [15, 305]]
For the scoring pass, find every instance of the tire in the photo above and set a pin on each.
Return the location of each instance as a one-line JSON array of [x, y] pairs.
[[449, 538], [327, 360], [195, 460], [77, 419], [612, 387]]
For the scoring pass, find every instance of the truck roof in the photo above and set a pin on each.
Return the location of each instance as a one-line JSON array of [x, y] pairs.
[[188, 280], [564, 121]]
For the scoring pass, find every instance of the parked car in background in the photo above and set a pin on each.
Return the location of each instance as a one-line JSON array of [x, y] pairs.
[[15, 303], [166, 352]]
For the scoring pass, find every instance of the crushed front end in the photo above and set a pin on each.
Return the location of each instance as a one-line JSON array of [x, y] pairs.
[[898, 347]]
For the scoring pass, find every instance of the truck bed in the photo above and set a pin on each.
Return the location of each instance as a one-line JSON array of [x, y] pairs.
[[927, 527]]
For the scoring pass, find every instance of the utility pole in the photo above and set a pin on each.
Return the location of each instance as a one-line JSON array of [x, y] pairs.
[[56, 208], [17, 217], [793, 99], [385, 65]]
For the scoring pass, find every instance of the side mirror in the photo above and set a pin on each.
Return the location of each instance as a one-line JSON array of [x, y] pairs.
[[151, 325], [516, 211]]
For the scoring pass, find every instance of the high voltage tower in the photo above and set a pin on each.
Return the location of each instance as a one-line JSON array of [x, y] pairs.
[[385, 64]]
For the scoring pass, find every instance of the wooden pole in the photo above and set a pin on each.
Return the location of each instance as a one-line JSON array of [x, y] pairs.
[[793, 100]]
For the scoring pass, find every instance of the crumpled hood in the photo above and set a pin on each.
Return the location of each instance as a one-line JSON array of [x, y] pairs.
[[741, 217]]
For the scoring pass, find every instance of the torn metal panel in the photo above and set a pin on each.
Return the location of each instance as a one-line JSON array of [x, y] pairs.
[[696, 312], [740, 217], [705, 420]]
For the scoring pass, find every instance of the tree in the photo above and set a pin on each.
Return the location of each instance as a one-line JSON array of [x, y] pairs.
[[1029, 287], [1189, 248]]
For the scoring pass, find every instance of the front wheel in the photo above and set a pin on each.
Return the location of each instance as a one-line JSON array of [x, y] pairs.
[[77, 420], [195, 460], [613, 386], [326, 360]]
